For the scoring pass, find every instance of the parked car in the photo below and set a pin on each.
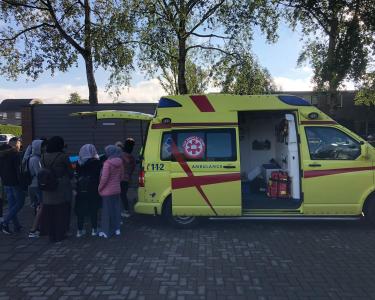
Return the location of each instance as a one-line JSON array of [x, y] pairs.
[[4, 138]]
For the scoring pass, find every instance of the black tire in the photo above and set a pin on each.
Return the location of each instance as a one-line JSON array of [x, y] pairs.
[[181, 222], [369, 211]]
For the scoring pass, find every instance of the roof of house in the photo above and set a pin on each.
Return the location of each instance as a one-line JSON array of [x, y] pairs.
[[16, 104]]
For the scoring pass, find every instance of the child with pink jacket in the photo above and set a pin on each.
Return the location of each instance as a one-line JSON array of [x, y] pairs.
[[110, 190]]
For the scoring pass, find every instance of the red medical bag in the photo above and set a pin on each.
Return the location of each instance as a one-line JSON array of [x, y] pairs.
[[278, 185]]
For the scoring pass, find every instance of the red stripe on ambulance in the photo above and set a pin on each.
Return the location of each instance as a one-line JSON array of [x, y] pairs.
[[318, 173], [202, 103], [185, 182], [190, 175]]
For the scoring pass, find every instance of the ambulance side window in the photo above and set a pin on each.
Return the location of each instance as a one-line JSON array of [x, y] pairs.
[[166, 146], [206, 144], [327, 143]]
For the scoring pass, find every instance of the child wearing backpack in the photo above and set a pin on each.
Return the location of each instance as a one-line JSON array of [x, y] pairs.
[[87, 199], [110, 190]]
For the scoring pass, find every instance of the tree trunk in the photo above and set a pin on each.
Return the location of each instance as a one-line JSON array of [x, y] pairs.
[[182, 86], [93, 89], [331, 73]]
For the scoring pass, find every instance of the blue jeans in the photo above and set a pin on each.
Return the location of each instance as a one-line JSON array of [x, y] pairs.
[[16, 199], [111, 214]]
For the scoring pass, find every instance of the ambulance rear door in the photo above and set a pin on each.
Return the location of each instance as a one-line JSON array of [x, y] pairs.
[[205, 172]]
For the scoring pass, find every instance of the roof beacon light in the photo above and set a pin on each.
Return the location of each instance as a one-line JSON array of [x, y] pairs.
[[313, 116]]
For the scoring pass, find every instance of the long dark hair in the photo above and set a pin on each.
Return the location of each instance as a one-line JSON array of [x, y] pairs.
[[55, 144]]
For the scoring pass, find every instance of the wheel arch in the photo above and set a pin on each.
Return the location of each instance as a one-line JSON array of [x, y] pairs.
[[165, 202], [367, 201]]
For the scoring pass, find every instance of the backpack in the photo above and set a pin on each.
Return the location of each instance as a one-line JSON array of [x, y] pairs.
[[84, 184], [25, 177], [47, 179]]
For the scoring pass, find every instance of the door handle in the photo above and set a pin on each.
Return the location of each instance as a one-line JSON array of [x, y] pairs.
[[229, 167], [315, 165]]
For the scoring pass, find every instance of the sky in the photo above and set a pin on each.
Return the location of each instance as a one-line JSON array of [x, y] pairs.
[[279, 58]]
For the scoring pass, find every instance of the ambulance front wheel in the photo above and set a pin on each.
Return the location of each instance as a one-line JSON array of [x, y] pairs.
[[183, 222]]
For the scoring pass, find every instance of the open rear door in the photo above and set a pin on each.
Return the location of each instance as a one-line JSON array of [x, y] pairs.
[[114, 114], [117, 114]]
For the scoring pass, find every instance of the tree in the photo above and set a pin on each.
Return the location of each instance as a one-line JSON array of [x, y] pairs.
[[197, 78], [337, 37], [75, 98], [366, 93], [51, 35], [171, 30], [244, 77]]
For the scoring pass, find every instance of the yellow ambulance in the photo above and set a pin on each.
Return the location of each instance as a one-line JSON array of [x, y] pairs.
[[276, 156]]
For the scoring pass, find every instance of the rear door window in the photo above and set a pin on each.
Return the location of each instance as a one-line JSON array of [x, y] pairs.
[[202, 145]]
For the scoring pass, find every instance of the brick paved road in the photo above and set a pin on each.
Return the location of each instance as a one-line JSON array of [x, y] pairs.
[[220, 260]]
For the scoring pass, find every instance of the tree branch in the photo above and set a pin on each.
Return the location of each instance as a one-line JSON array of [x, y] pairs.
[[19, 4], [212, 48], [27, 30], [311, 12], [210, 36], [190, 5], [66, 36], [208, 14]]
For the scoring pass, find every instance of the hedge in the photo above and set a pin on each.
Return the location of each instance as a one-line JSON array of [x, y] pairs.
[[11, 129]]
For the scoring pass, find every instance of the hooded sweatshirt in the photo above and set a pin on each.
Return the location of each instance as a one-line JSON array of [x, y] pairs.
[[112, 175], [9, 165], [34, 162]]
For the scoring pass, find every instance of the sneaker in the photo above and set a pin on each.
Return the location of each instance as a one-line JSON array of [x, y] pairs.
[[94, 232], [5, 229], [34, 234], [125, 214], [117, 232], [103, 235]]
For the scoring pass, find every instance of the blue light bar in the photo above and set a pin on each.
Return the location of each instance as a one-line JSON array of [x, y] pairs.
[[294, 100]]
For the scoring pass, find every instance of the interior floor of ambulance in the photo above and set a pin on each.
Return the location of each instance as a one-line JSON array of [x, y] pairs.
[[270, 177]]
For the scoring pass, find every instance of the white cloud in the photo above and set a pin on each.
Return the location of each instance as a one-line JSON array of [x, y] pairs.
[[144, 91], [288, 84]]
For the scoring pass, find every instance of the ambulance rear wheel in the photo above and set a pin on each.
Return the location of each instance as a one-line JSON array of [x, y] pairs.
[[182, 222]]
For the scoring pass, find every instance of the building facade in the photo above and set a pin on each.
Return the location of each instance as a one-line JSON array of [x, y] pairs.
[[11, 110]]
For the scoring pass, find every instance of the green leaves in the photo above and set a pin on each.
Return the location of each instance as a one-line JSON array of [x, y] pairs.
[[50, 36], [176, 35], [244, 77], [75, 98], [338, 36], [366, 93]]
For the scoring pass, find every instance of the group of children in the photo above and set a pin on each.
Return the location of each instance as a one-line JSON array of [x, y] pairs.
[[95, 182]]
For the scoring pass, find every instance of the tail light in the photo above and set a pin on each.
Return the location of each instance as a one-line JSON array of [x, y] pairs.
[[141, 178]]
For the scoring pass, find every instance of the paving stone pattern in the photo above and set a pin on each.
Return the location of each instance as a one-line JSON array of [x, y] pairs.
[[219, 260]]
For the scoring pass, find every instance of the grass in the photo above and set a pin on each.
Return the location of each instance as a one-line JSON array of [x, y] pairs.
[[11, 129]]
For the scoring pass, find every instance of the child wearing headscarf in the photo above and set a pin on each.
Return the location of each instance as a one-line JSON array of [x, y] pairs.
[[88, 199], [110, 190]]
